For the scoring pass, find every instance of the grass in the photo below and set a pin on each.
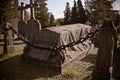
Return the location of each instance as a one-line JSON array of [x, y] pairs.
[[14, 69], [71, 73]]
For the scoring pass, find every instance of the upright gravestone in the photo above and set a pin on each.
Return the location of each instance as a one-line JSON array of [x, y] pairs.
[[22, 24], [105, 51], [33, 25]]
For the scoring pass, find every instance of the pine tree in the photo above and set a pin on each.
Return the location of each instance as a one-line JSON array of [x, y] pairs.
[[8, 10], [74, 16], [52, 20], [100, 10], [81, 12], [41, 13], [60, 21], [67, 14]]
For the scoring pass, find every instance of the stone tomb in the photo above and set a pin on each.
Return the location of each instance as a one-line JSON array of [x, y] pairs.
[[56, 36], [52, 37]]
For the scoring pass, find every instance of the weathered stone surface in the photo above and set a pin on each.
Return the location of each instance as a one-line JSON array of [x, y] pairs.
[[33, 27], [22, 24], [28, 28], [52, 37], [56, 36], [8, 39], [22, 28], [105, 52]]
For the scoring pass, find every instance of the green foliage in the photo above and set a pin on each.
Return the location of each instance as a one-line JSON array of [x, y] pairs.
[[41, 13], [74, 15], [52, 20], [8, 10], [70, 75], [81, 12], [99, 10], [67, 14], [60, 21]]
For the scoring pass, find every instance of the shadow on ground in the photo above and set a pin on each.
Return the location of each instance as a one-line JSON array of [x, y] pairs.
[[91, 58], [16, 69]]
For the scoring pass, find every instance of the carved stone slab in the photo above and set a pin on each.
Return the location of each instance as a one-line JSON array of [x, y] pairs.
[[33, 27], [22, 28]]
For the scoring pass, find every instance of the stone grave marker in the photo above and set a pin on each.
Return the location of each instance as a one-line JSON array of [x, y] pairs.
[[105, 52], [22, 24], [32, 26]]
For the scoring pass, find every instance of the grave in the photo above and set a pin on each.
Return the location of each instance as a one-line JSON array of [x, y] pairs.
[[56, 36], [58, 60]]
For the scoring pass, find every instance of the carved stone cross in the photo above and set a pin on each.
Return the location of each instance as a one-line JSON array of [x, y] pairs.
[[21, 8], [22, 23], [31, 27], [32, 5]]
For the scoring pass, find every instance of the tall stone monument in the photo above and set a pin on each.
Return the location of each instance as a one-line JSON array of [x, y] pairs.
[[105, 51]]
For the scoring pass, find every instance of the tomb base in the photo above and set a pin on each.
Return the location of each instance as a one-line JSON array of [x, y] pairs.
[[56, 63]]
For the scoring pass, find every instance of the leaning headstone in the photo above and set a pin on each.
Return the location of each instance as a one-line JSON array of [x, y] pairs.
[[8, 40], [105, 52]]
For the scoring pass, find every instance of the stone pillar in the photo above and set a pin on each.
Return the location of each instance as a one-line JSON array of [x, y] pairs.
[[105, 52], [8, 40]]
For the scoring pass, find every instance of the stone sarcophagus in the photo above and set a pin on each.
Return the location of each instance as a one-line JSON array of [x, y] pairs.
[[56, 36], [58, 60]]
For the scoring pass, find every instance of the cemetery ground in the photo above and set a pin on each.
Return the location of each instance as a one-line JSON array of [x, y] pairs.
[[12, 67]]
